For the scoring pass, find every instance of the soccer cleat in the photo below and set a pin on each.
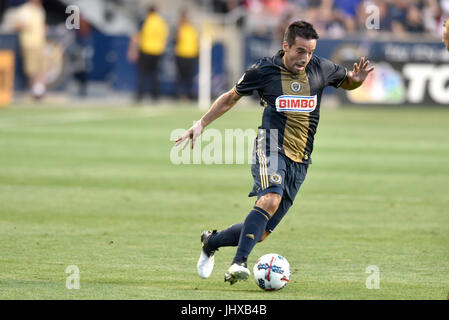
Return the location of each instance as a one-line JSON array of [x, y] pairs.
[[236, 272], [205, 263]]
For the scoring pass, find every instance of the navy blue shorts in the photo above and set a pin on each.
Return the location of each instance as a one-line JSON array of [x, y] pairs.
[[274, 172]]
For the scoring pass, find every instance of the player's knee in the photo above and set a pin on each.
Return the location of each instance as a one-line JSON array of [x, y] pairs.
[[269, 202]]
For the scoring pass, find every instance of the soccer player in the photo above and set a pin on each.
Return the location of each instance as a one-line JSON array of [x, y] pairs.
[[290, 85], [446, 34]]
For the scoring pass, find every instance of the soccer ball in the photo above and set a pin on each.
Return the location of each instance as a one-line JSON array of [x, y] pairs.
[[271, 272]]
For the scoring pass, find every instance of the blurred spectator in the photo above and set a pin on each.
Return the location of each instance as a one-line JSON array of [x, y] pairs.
[[397, 16], [446, 34], [82, 55], [414, 22], [276, 7], [338, 18], [30, 24], [133, 49], [186, 52], [319, 13], [284, 22], [2, 10], [346, 11], [433, 14], [262, 18], [444, 7], [225, 6], [151, 41]]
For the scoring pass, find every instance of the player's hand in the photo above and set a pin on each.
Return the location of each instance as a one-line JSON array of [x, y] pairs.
[[190, 135], [361, 70]]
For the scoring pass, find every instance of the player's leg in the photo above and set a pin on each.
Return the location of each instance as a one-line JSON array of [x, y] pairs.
[[255, 223], [213, 240], [268, 174], [154, 75], [295, 174], [276, 218], [253, 226], [252, 231], [225, 238], [230, 237], [142, 76], [264, 236], [269, 179], [268, 170], [210, 242], [294, 178]]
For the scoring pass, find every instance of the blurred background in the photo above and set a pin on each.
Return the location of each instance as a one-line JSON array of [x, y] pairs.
[[140, 51]]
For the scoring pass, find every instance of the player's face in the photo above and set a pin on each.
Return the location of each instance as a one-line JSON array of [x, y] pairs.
[[299, 54]]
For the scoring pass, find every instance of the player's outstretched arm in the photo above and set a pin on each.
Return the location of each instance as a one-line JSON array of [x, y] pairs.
[[223, 103], [355, 78]]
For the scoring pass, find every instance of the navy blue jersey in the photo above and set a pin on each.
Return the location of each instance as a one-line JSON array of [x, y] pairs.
[[291, 101]]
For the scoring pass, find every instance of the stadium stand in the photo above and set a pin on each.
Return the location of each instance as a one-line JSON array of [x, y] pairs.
[[242, 31]]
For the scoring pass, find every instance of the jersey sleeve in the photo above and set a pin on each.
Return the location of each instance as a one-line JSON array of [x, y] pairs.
[[334, 74], [250, 81]]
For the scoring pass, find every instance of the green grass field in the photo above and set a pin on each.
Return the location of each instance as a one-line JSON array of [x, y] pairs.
[[94, 187]]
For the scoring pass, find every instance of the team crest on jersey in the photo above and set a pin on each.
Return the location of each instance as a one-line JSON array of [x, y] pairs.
[[276, 178], [296, 103], [295, 86]]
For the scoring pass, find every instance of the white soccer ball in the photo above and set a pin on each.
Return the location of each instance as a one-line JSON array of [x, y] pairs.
[[271, 272]]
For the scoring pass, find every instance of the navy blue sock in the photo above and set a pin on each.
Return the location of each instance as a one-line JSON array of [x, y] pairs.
[[252, 230], [226, 238]]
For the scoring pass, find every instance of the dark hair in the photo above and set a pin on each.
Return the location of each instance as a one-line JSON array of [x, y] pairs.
[[301, 29], [152, 8]]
